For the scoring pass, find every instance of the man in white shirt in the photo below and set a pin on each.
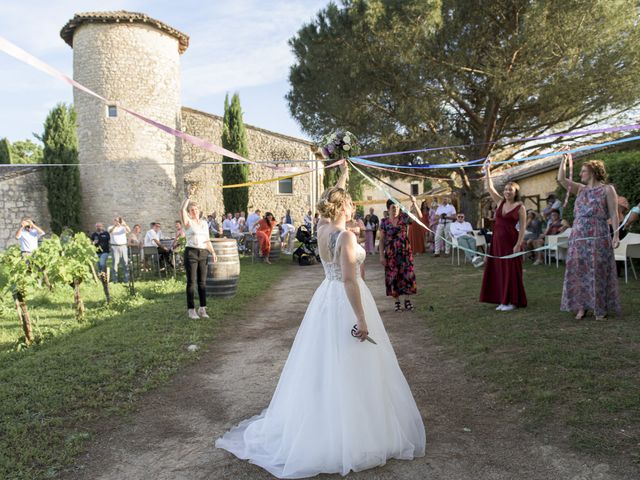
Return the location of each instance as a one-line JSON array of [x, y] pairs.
[[463, 232], [28, 234], [253, 219], [152, 239], [118, 231], [445, 213], [228, 225]]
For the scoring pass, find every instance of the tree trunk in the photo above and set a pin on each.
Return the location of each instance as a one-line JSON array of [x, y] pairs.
[[25, 319], [78, 301], [105, 285], [470, 202]]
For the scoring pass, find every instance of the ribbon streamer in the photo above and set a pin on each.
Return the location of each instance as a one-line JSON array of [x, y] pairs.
[[268, 180]]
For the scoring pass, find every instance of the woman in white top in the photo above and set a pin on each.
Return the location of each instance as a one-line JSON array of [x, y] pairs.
[[196, 252]]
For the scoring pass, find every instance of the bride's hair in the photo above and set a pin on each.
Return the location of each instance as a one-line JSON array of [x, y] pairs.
[[331, 201]]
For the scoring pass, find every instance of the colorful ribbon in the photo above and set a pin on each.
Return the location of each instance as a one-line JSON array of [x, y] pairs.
[[284, 177]]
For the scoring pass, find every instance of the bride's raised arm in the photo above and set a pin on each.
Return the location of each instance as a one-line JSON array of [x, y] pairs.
[[342, 183]]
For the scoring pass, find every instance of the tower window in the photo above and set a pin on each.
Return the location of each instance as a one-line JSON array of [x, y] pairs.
[[285, 186], [415, 189], [112, 111]]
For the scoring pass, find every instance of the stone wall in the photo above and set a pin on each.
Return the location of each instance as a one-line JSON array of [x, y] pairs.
[[203, 180], [540, 185], [133, 168], [22, 194]]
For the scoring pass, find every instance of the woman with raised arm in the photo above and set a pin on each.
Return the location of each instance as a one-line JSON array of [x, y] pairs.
[[590, 279], [342, 403], [502, 281], [196, 252]]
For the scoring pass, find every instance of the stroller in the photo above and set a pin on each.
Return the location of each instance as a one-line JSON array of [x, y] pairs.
[[307, 253]]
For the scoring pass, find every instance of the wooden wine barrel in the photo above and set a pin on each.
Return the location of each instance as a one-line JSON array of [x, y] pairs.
[[274, 255], [222, 276]]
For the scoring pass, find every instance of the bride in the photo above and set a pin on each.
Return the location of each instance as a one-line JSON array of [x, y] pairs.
[[342, 403]]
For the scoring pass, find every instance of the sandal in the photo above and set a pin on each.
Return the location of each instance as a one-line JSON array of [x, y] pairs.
[[408, 305], [580, 316], [398, 307]]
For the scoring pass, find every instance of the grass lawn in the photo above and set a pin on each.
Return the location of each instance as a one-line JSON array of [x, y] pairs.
[[578, 378], [54, 394]]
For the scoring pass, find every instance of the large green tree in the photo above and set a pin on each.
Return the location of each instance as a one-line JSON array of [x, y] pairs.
[[234, 139], [416, 73], [5, 152], [62, 182], [26, 151]]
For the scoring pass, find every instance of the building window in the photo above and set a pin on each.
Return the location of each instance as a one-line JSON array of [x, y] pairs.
[[285, 186], [112, 111], [369, 197], [415, 189]]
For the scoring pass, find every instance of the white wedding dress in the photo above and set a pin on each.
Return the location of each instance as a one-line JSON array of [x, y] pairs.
[[340, 404]]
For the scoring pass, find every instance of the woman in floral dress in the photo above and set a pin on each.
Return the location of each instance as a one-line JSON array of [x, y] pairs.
[[590, 280], [396, 255]]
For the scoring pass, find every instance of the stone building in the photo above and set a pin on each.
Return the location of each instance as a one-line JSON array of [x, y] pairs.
[[134, 170]]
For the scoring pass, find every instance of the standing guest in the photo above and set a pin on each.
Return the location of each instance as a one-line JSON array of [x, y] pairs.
[[590, 279], [554, 227], [375, 222], [462, 231], [369, 244], [308, 220], [253, 219], [263, 230], [533, 229], [287, 234], [553, 203], [196, 252], [446, 213], [102, 240], [288, 218], [433, 225], [396, 255], [135, 237], [416, 231], [27, 235], [118, 231], [316, 219], [502, 281]]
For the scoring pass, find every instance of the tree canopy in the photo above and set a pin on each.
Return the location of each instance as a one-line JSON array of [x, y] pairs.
[[415, 73]]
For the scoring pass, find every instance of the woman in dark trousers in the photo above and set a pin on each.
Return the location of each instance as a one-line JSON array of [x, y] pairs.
[[196, 252]]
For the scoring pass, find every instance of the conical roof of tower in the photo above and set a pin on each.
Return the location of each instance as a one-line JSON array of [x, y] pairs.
[[120, 16]]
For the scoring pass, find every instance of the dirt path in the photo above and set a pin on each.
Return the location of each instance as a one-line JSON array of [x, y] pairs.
[[469, 436]]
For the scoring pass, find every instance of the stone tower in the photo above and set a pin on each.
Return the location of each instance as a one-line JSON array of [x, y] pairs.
[[134, 61]]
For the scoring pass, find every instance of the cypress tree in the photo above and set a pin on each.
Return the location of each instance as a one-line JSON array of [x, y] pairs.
[[5, 152], [234, 138], [63, 183]]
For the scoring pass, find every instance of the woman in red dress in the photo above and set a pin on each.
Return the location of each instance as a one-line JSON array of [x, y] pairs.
[[502, 281], [263, 228], [416, 232]]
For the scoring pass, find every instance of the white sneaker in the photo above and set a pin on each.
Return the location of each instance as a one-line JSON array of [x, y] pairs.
[[203, 312], [192, 314], [508, 308], [477, 261], [500, 307]]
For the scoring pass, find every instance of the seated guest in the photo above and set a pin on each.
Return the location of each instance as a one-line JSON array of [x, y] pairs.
[[214, 226], [635, 214], [135, 237], [308, 220], [252, 219], [152, 239], [102, 240], [463, 232], [555, 227], [228, 225], [316, 219], [533, 229], [28, 234]]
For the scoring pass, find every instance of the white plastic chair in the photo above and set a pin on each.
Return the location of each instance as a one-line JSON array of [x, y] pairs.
[[480, 240], [455, 248], [629, 248], [556, 244]]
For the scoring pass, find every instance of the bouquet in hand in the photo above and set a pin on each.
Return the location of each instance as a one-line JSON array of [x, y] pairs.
[[340, 144]]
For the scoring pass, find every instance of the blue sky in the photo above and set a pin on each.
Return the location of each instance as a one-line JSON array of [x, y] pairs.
[[238, 45]]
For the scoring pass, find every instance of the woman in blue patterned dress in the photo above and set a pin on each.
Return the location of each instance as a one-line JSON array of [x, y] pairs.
[[590, 280], [396, 255]]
